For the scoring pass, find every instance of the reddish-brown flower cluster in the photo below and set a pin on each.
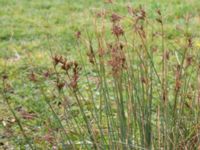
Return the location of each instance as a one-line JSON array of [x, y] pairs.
[[74, 80], [159, 19], [189, 60], [58, 59], [138, 14], [117, 30], [118, 60], [32, 77], [141, 31], [78, 34], [115, 18], [47, 74], [60, 85], [144, 80], [5, 76], [190, 44], [141, 15], [66, 66]]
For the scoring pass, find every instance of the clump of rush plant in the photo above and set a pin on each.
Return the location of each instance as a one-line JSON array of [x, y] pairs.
[[141, 101], [131, 88]]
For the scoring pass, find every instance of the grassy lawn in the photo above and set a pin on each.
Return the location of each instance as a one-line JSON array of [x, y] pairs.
[[34, 31]]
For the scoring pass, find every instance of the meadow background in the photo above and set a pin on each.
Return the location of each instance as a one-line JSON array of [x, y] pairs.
[[31, 29]]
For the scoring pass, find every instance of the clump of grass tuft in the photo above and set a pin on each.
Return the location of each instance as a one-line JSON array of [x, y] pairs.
[[133, 88]]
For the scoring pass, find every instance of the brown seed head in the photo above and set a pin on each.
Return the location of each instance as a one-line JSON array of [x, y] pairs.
[[190, 42], [159, 12], [115, 18], [46, 74], [5, 77], [78, 34], [117, 30], [60, 85], [118, 60], [32, 77], [56, 60], [159, 20], [144, 80], [74, 80], [189, 60]]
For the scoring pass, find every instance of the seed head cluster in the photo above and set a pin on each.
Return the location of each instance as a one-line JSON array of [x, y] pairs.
[[117, 30], [118, 60], [67, 66]]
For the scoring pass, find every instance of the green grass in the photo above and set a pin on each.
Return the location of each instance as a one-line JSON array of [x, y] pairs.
[[31, 29]]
